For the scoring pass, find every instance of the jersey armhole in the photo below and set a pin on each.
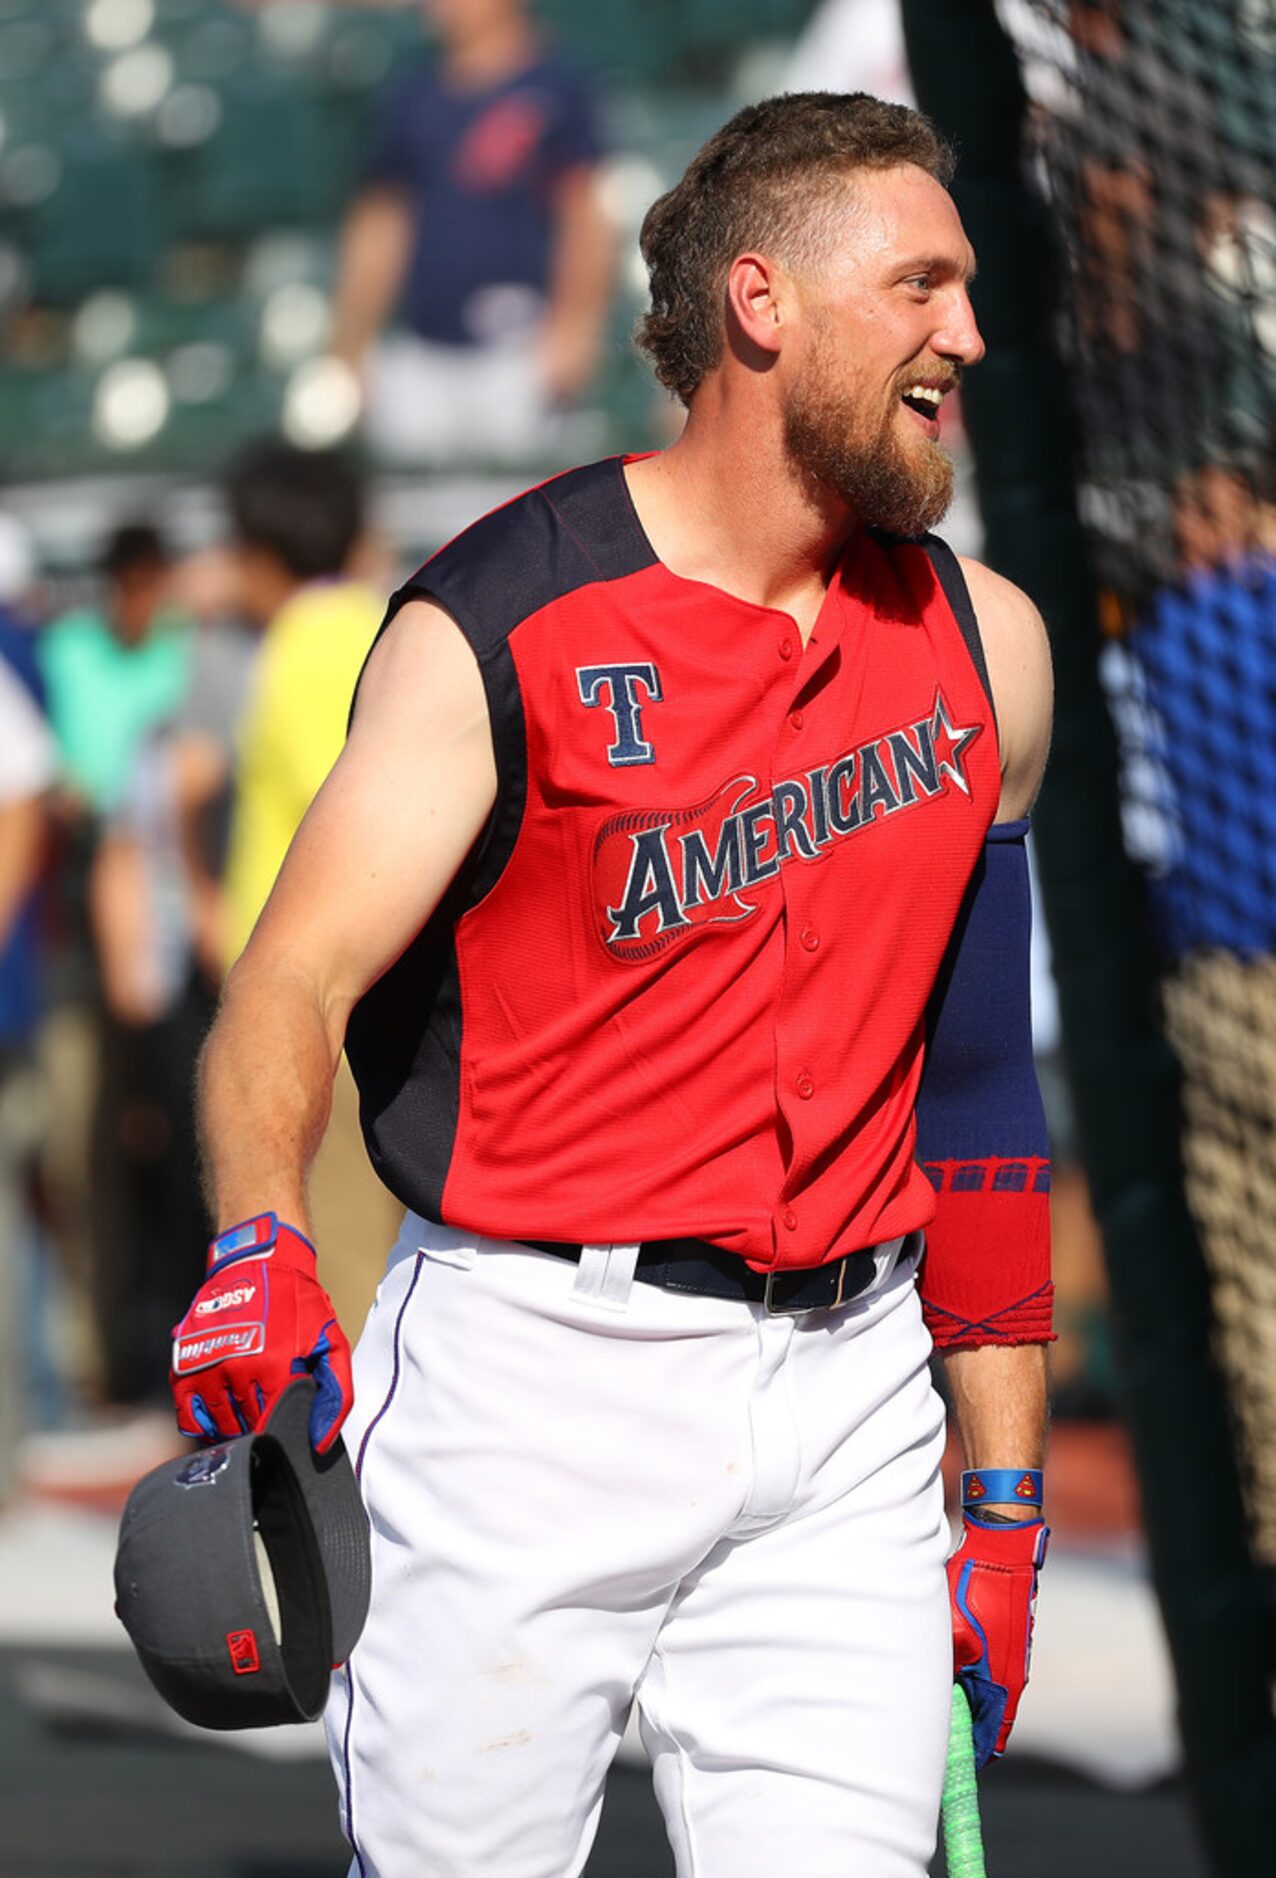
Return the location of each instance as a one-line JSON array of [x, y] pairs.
[[957, 593], [489, 856]]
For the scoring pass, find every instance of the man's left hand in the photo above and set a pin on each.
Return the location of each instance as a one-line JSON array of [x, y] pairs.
[[992, 1581]]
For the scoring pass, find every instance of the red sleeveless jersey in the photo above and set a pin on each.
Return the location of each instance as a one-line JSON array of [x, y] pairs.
[[679, 987]]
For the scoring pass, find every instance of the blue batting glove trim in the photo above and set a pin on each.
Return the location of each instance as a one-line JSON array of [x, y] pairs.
[[207, 1426], [987, 1698], [987, 1706], [249, 1239], [1002, 1484], [960, 1599], [329, 1396]]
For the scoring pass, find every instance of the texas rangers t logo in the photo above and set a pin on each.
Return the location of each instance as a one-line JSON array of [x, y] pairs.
[[616, 686]]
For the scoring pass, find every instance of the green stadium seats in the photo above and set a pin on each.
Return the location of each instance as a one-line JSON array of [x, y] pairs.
[[99, 222], [265, 162]]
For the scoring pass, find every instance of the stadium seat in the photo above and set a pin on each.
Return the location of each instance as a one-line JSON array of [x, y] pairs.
[[267, 162], [99, 224]]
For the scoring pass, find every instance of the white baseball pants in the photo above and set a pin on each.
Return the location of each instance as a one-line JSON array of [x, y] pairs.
[[586, 1492]]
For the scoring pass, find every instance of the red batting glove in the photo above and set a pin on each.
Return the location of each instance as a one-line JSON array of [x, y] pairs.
[[992, 1581], [260, 1319]]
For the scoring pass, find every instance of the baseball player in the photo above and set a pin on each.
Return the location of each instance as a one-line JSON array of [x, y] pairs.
[[670, 901]]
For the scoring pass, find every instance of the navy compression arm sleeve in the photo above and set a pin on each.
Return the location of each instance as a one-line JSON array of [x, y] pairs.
[[981, 1129]]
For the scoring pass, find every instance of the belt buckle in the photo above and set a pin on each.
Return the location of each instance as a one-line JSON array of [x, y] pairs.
[[773, 1309]]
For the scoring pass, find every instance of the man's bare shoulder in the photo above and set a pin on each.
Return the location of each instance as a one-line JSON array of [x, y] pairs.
[[421, 663], [1019, 670]]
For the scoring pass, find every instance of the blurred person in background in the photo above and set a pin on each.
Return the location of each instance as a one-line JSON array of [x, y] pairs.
[[298, 523], [113, 669], [156, 909], [20, 604], [480, 221], [28, 769], [1196, 708]]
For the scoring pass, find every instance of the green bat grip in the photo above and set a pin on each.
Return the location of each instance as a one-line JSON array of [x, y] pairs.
[[963, 1840]]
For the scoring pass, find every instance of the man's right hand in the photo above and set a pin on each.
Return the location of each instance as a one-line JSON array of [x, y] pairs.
[[259, 1320]]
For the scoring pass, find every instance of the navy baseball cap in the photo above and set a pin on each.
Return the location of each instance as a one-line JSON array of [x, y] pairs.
[[243, 1571]]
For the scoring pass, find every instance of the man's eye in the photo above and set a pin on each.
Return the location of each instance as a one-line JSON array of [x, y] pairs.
[[921, 281]]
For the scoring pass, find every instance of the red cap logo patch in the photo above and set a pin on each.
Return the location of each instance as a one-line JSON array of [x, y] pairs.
[[244, 1657]]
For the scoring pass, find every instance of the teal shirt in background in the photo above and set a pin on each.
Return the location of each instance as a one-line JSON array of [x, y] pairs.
[[102, 695]]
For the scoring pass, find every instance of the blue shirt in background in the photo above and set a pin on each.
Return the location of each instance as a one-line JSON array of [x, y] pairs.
[[482, 167], [1207, 651]]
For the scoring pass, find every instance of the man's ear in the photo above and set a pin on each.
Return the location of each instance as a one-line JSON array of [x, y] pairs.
[[759, 297]]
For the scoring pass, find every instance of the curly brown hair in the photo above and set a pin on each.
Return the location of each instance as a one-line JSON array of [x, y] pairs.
[[762, 182]]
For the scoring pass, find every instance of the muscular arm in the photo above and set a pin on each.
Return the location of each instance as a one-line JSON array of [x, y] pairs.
[[999, 1388], [380, 844], [998, 1395], [1019, 671]]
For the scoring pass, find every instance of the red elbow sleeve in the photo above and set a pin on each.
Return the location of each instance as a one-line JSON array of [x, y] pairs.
[[985, 1275]]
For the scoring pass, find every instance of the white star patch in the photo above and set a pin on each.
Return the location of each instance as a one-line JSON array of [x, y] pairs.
[[951, 741]]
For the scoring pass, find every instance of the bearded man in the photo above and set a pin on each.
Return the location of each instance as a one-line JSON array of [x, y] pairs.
[[670, 901]]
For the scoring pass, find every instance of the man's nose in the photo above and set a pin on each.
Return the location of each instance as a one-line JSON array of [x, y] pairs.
[[960, 337]]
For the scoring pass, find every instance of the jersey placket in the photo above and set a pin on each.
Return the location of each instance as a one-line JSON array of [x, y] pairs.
[[801, 1084]]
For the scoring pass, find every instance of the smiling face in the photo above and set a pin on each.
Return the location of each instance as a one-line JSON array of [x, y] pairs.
[[886, 328]]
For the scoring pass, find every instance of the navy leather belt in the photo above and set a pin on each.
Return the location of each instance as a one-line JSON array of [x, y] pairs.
[[695, 1265]]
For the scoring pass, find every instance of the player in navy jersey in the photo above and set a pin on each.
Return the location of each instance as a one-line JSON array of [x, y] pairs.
[[670, 898]]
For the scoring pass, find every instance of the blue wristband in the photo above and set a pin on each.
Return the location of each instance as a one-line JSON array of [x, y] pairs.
[[1001, 1486]]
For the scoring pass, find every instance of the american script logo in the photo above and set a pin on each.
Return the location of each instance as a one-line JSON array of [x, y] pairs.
[[660, 873]]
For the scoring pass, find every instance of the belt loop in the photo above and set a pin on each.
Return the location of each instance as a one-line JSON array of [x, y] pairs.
[[605, 1275]]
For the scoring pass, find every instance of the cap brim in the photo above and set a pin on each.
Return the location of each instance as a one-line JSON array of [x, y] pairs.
[[335, 1505]]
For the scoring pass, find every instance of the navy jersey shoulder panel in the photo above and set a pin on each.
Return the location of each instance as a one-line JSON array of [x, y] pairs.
[[957, 593], [495, 846], [568, 533]]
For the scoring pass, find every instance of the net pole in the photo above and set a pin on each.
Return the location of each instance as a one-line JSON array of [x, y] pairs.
[[1124, 1076]]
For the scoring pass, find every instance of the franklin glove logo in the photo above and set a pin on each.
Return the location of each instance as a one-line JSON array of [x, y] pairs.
[[198, 1352]]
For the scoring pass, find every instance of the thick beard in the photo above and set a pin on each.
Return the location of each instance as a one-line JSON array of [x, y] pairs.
[[902, 491]]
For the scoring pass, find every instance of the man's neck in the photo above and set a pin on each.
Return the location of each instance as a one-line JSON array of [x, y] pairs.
[[740, 516], [490, 52]]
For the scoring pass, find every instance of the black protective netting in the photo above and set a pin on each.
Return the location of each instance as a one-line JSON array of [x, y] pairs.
[[1154, 139]]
